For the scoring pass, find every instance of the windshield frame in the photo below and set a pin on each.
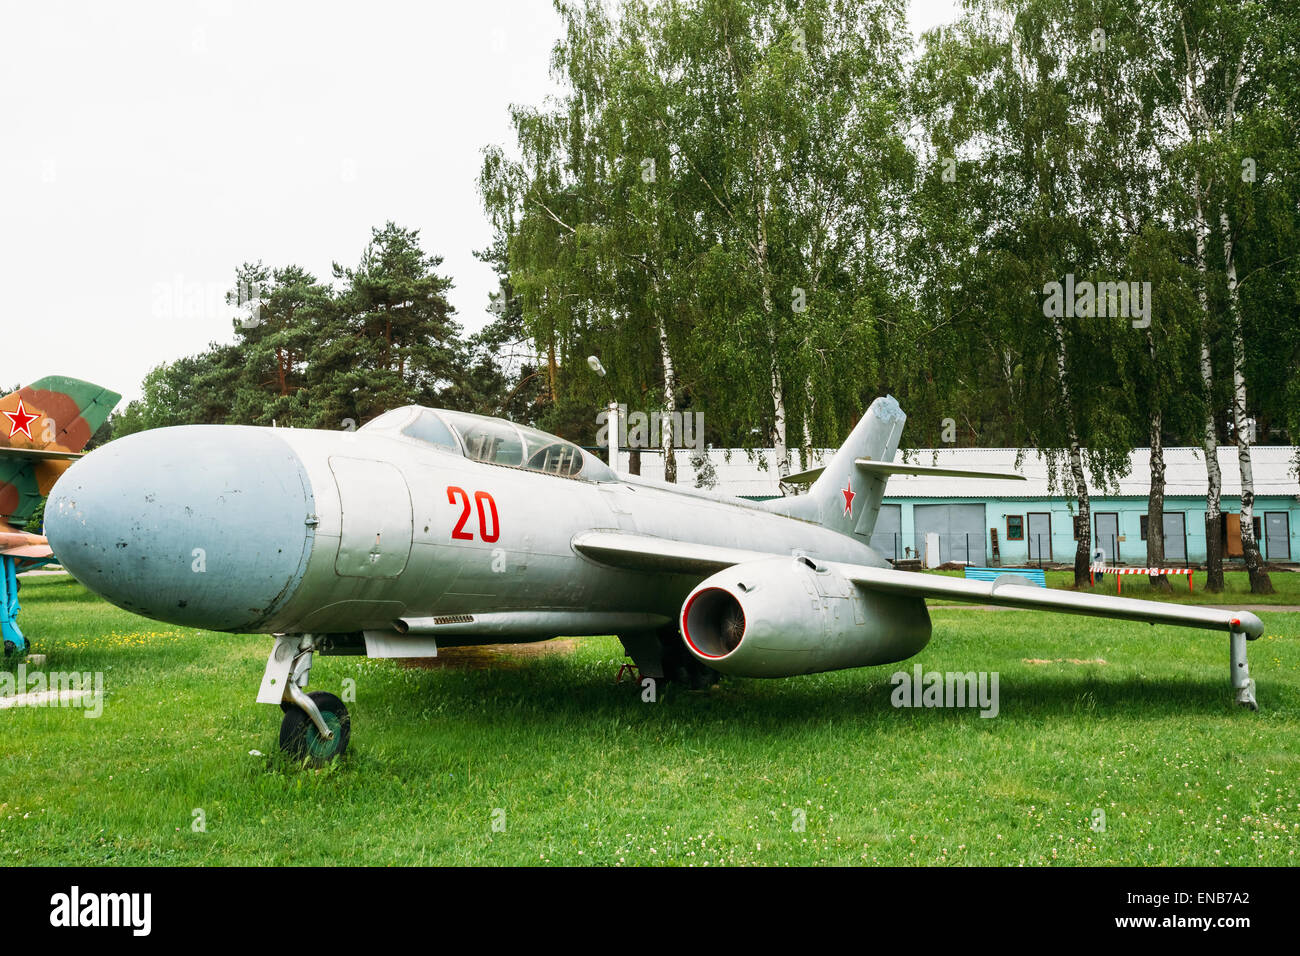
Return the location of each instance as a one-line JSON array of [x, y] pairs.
[[530, 442]]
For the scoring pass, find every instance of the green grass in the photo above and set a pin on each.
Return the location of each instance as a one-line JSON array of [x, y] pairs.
[[587, 773], [1236, 588]]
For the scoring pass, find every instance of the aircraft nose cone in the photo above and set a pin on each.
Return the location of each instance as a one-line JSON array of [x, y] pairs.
[[201, 525]]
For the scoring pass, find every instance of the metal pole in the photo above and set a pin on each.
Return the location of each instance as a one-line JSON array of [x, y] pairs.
[[613, 435]]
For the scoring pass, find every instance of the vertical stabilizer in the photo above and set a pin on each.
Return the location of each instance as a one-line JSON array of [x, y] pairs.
[[844, 498]]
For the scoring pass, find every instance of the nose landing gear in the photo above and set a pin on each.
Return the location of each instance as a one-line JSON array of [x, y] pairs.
[[302, 739], [316, 726]]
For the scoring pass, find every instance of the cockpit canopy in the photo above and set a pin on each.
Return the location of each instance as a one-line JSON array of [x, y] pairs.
[[492, 440]]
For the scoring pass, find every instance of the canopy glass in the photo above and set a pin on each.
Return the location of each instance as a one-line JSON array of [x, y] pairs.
[[493, 440]]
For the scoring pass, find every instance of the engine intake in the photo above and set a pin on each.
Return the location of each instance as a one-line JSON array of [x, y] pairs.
[[713, 623], [779, 617]]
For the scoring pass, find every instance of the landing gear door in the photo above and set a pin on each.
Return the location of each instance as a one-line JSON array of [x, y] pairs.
[[376, 533]]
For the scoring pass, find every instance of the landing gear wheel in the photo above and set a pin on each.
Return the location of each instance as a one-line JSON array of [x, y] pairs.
[[682, 666], [300, 739], [10, 648]]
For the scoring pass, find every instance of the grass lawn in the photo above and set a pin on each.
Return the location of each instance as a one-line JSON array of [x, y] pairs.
[[1132, 720]]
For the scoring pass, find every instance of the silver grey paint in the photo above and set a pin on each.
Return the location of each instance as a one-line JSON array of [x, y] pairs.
[[322, 532]]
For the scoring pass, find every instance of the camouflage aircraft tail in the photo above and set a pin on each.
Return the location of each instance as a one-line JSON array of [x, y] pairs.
[[43, 427]]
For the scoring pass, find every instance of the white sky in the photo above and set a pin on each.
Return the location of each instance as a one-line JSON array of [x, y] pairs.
[[146, 150]]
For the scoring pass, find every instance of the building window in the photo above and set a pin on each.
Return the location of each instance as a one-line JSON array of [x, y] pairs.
[[1142, 521], [1015, 527]]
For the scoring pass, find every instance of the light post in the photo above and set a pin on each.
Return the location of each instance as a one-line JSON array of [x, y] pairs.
[[612, 418]]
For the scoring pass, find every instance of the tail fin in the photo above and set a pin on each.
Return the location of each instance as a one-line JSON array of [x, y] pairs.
[[844, 497], [41, 425]]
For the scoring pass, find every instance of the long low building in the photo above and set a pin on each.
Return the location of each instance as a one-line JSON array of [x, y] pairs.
[[988, 521]]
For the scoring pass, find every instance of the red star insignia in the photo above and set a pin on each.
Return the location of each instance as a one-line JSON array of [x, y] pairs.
[[849, 495], [21, 421]]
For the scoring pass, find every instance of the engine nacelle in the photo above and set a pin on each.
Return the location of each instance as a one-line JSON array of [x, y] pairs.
[[778, 617]]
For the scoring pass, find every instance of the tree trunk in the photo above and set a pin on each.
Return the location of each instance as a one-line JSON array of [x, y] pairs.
[[1083, 549], [1156, 508], [1156, 494], [1259, 580], [282, 374], [667, 438], [779, 446], [1213, 512], [805, 452], [551, 368]]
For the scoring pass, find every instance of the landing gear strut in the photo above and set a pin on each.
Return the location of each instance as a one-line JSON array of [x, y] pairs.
[[316, 726], [663, 656], [14, 642]]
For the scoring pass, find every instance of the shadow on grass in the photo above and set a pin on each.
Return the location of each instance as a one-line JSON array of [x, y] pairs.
[[558, 693], [36, 592]]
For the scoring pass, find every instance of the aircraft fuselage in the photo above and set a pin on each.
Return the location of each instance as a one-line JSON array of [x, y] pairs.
[[306, 531]]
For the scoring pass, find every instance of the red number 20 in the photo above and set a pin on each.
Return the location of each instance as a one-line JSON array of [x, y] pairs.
[[459, 532]]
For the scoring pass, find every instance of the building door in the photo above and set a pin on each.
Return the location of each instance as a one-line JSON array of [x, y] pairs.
[[886, 536], [1277, 536], [1175, 526], [1107, 534], [1040, 535], [960, 529]]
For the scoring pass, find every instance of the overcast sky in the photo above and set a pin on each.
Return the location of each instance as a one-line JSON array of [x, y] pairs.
[[150, 148]]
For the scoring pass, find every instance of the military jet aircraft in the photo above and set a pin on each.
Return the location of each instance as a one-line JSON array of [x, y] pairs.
[[43, 428], [428, 528]]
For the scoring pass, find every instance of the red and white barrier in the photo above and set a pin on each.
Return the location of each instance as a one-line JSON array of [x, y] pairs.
[[1149, 572]]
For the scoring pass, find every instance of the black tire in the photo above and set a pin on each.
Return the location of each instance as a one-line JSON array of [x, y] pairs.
[[10, 648], [682, 667], [300, 739], [703, 677]]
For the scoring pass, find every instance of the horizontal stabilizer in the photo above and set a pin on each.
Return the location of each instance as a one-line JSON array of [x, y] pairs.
[[903, 468], [803, 477]]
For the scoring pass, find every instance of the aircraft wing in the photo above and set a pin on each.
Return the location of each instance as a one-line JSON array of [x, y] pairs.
[[15, 543], [36, 454], [642, 552], [1011, 590], [637, 552], [28, 550]]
